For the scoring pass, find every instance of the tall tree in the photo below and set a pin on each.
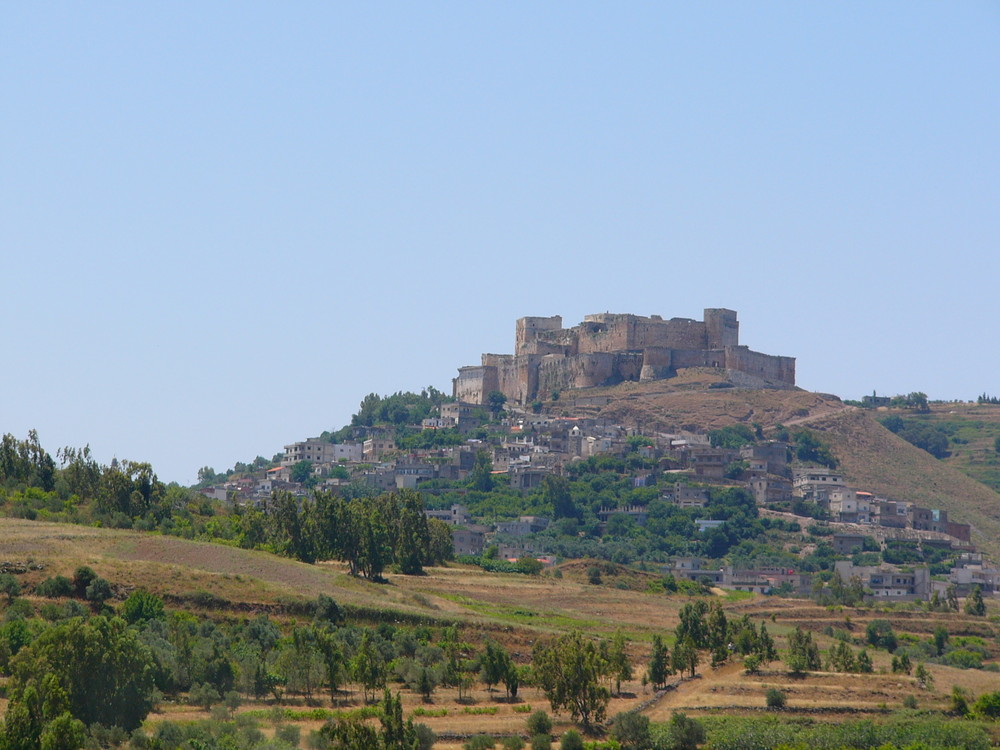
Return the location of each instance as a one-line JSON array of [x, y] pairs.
[[413, 537], [803, 654], [619, 665], [569, 670], [100, 663], [481, 477], [659, 663], [368, 667], [556, 491]]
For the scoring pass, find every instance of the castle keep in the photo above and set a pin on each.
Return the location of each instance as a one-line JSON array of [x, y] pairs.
[[607, 348]]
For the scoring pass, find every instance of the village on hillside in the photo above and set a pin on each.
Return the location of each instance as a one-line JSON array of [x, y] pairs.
[[524, 446]]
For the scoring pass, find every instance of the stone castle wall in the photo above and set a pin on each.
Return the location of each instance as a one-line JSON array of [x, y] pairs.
[[767, 366], [607, 348]]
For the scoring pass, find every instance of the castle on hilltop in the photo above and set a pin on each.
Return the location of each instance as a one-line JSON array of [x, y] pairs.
[[608, 348]]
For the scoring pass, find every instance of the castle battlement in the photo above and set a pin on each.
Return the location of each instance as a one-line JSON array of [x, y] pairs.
[[610, 348]]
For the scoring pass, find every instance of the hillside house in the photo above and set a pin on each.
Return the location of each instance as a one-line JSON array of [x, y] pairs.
[[456, 515], [527, 476], [691, 569], [850, 506], [889, 582], [770, 488], [523, 526], [815, 483], [468, 540], [848, 544], [320, 451], [685, 496], [710, 462], [374, 448], [767, 458]]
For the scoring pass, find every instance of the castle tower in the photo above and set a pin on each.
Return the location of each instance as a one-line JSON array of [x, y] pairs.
[[721, 328], [527, 331]]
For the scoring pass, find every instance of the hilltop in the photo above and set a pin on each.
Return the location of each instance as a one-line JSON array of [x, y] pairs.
[[697, 399]]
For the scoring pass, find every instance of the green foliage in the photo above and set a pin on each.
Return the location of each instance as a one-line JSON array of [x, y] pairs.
[[803, 654], [682, 733], [732, 437], [975, 605], [98, 591], [539, 723], [879, 633], [495, 400], [142, 606], [25, 463], [301, 472], [685, 656], [481, 477], [987, 706], [326, 610], [368, 532], [959, 705], [81, 580], [495, 665], [901, 664], [62, 733], [130, 488], [398, 409], [408, 439], [631, 729], [479, 742], [55, 587], [569, 670], [108, 675], [571, 740], [775, 698], [810, 449], [923, 676], [204, 696], [556, 493], [932, 438], [768, 732], [10, 586], [659, 664]]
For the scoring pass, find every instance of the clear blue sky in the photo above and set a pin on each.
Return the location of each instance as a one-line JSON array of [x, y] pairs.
[[222, 224]]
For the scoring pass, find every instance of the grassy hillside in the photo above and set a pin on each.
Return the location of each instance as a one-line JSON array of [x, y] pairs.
[[973, 430], [875, 459], [692, 401]]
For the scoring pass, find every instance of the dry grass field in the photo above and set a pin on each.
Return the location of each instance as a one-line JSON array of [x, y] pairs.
[[515, 610]]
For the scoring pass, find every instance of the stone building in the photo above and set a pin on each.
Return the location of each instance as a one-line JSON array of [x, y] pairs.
[[889, 581], [320, 451], [607, 348]]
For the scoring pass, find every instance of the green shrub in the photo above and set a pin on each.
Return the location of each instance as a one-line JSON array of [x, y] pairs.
[[775, 698], [55, 587], [631, 729], [539, 723], [480, 742]]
